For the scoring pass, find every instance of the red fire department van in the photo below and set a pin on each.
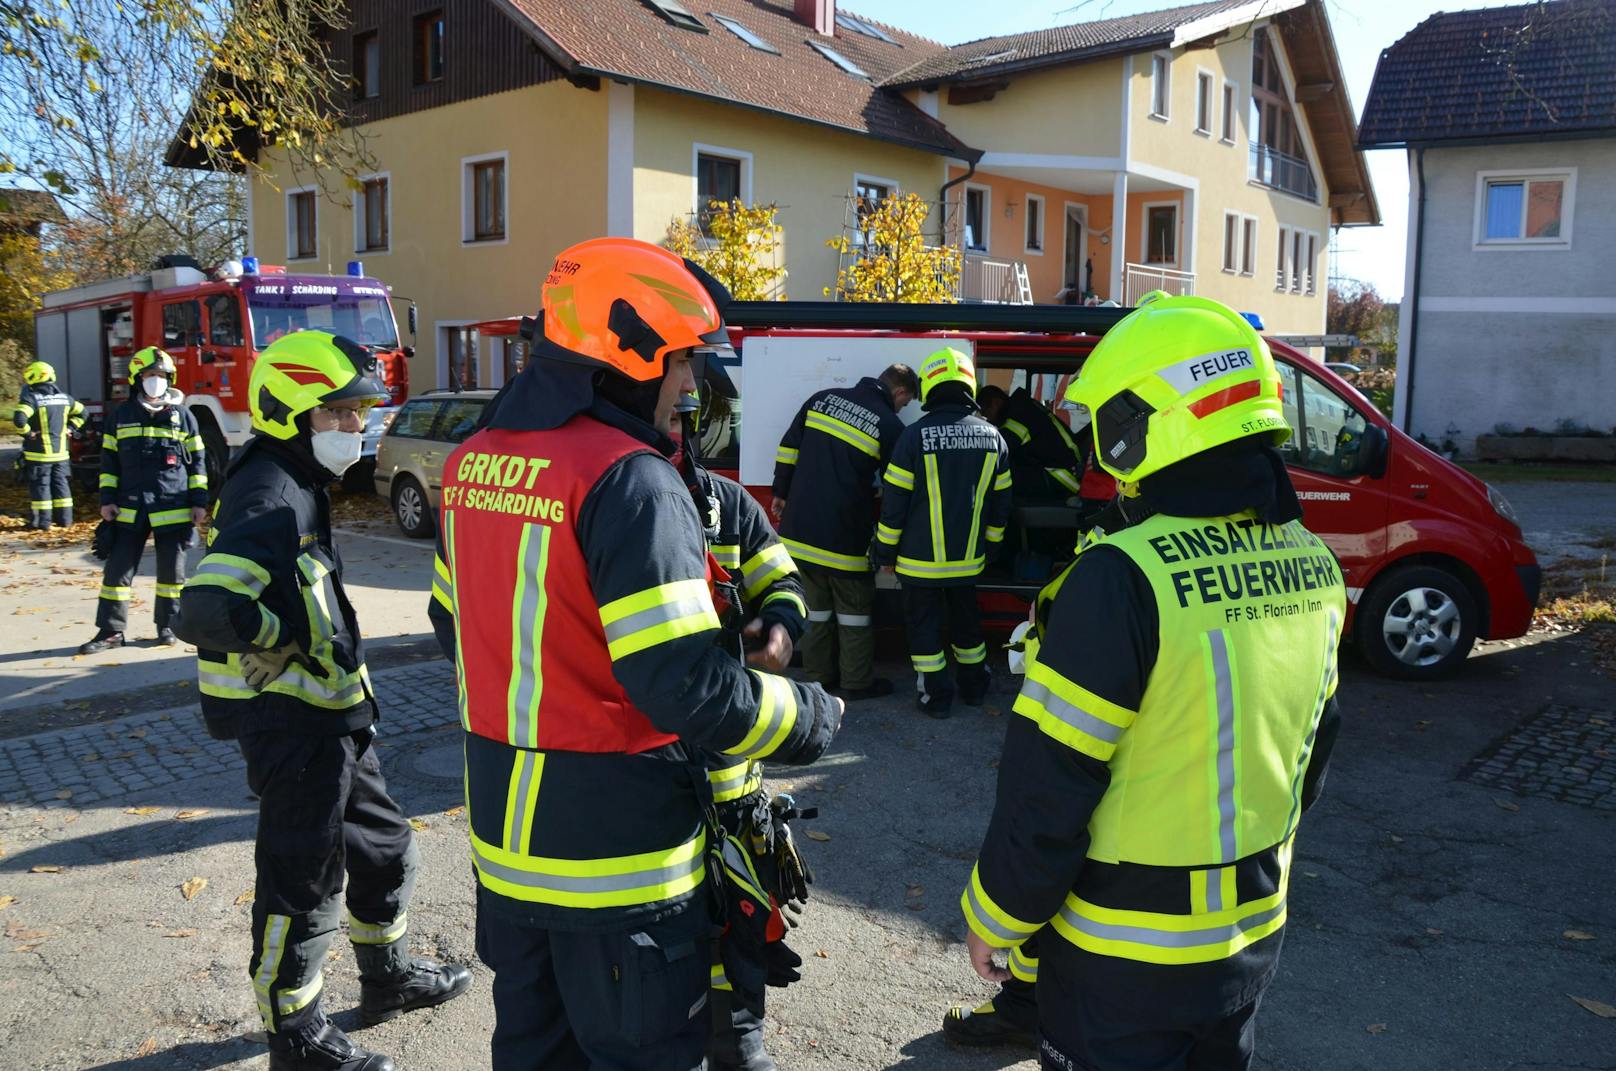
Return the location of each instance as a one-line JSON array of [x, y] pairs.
[[213, 323], [1433, 557]]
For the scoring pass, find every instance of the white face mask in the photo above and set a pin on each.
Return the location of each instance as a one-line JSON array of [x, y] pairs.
[[154, 386], [336, 451]]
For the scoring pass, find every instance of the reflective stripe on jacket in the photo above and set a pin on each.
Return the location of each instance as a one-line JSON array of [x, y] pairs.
[[946, 498], [152, 460], [826, 469], [44, 414]]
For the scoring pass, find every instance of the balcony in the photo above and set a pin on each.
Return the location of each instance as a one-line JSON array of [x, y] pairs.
[[1282, 171], [994, 282], [1141, 279]]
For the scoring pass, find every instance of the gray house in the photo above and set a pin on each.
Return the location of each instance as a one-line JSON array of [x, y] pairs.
[[1509, 313]]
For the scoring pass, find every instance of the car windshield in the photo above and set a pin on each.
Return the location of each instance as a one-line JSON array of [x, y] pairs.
[[368, 321]]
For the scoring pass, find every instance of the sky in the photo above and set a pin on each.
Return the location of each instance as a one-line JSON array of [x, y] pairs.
[[1361, 27]]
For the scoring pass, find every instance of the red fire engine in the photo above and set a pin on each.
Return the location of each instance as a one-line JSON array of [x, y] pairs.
[[213, 323]]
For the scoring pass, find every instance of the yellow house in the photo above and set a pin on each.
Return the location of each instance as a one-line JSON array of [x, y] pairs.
[[498, 132]]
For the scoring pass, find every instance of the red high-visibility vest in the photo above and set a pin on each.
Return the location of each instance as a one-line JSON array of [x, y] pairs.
[[534, 667]]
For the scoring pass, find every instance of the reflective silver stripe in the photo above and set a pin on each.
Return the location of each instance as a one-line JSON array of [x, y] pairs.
[[520, 806], [269, 964], [777, 704], [1223, 688], [1145, 935], [688, 606], [820, 615], [212, 566], [603, 884], [1214, 888], [987, 921], [1072, 715], [731, 778], [854, 620], [361, 932], [527, 636], [1325, 677], [944, 569]]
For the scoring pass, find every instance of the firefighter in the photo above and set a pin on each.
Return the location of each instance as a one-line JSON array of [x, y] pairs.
[[1044, 456], [281, 669], [833, 454], [945, 504], [767, 587], [44, 414], [1180, 732], [154, 481], [573, 591]]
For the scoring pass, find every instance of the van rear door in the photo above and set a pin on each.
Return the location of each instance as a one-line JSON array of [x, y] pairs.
[[1326, 455]]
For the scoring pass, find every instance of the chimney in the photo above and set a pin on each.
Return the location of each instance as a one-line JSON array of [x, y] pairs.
[[819, 14]]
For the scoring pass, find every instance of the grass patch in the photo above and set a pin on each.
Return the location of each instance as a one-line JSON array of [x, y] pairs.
[[1524, 471]]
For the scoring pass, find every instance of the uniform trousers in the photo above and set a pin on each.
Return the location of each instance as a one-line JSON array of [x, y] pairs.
[[128, 544], [630, 998], [931, 614], [50, 492], [839, 646], [323, 813]]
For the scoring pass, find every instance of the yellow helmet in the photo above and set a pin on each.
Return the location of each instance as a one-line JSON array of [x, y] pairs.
[[38, 372], [1176, 377], [151, 359], [306, 369], [947, 365]]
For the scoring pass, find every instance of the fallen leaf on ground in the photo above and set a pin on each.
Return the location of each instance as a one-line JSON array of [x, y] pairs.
[[7, 901], [64, 793], [180, 933], [246, 897], [452, 811], [45, 868], [138, 734], [25, 948], [1570, 935], [1598, 1007], [419, 824], [18, 932], [91, 757], [1396, 839], [1433, 931], [822, 954], [1507, 805], [192, 886], [1421, 726], [1376, 1028], [814, 834], [914, 890], [147, 1047], [191, 812], [141, 810]]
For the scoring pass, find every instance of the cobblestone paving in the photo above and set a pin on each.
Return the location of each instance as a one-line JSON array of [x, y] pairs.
[[1565, 753], [90, 763]]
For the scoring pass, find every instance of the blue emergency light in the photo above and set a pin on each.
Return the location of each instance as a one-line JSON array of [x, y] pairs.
[[1254, 319], [356, 268], [249, 265]]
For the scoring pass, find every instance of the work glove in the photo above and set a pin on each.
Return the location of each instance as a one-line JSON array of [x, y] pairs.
[[260, 668], [794, 873], [782, 964]]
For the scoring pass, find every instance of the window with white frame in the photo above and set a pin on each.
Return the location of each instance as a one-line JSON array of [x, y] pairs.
[[1282, 271], [1231, 242], [1296, 261], [976, 218], [1231, 97], [484, 198], [1524, 209], [1161, 234], [372, 208], [723, 176], [302, 224], [1035, 224], [1203, 102], [1248, 245], [1161, 88], [1239, 243], [1309, 270], [868, 193]]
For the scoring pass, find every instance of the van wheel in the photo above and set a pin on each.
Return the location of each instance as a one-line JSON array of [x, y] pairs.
[[1418, 622], [215, 453], [411, 509]]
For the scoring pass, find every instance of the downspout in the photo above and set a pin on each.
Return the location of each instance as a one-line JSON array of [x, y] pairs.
[[1413, 295], [942, 199]]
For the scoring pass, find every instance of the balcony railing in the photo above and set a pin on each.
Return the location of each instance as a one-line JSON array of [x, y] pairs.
[[991, 281], [1283, 171], [1141, 279]]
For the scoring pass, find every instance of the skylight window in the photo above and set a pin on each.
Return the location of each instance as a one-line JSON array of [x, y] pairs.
[[743, 33], [676, 14], [994, 58], [858, 25], [840, 60]]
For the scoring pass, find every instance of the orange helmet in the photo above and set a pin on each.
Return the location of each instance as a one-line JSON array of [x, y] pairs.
[[624, 305]]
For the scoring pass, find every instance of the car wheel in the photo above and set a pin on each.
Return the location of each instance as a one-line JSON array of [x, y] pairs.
[[411, 508], [1418, 622]]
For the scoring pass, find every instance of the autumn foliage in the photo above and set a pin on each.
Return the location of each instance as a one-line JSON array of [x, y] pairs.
[[891, 258], [740, 249]]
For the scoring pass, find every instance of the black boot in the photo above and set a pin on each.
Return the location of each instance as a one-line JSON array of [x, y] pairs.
[[973, 687], [426, 985], [935, 706], [166, 637], [104, 641], [985, 1027], [327, 1049]]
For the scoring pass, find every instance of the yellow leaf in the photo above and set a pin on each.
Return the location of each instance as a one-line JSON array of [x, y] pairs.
[[246, 897], [180, 933], [1577, 935], [1598, 1007], [419, 824], [147, 1048], [141, 810], [64, 793], [45, 868], [191, 812], [7, 901], [192, 886], [822, 954], [814, 834], [452, 811], [25, 948]]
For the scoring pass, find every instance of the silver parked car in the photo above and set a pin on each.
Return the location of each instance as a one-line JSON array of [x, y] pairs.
[[410, 456]]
